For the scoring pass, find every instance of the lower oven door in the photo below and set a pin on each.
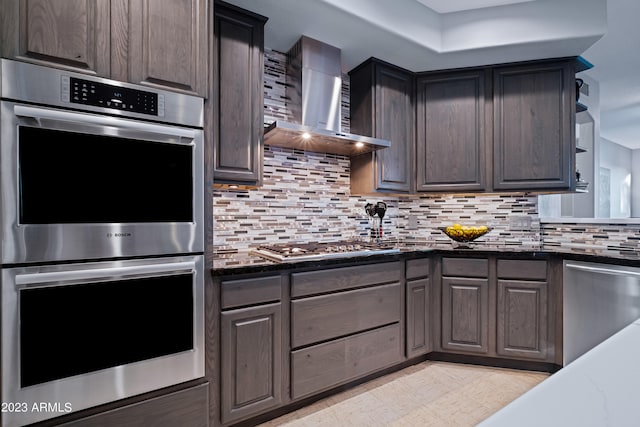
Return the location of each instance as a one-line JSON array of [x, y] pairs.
[[80, 335]]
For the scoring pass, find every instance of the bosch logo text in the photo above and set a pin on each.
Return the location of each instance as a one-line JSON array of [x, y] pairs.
[[110, 235]]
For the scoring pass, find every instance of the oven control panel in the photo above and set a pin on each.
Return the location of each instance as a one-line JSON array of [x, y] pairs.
[[97, 94]]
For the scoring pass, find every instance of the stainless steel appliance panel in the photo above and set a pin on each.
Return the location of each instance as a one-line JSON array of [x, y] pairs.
[[598, 301], [88, 237], [77, 336], [31, 83]]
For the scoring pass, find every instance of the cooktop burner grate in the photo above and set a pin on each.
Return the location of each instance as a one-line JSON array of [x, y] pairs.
[[284, 252]]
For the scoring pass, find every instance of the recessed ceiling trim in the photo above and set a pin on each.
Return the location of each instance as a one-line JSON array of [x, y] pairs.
[[449, 6]]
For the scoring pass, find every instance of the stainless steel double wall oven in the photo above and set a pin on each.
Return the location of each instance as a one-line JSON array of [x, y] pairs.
[[101, 221]]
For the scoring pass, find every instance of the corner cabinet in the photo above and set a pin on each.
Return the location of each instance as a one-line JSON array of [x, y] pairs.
[[238, 83], [534, 126], [159, 43], [451, 131], [381, 106], [504, 308]]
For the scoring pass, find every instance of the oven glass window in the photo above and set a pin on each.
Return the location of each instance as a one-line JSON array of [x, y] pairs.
[[76, 329], [68, 177]]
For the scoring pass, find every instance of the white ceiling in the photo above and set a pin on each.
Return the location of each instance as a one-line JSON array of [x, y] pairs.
[[422, 35]]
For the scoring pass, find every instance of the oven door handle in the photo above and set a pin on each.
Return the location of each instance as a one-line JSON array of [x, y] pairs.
[[85, 118], [103, 273]]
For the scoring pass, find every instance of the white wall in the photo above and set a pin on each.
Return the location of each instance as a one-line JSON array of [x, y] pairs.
[[617, 159], [635, 183]]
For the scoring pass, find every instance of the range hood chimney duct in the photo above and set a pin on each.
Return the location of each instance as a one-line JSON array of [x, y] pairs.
[[313, 91]]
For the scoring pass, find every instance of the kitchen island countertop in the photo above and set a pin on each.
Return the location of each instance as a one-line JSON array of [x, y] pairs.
[[597, 389]]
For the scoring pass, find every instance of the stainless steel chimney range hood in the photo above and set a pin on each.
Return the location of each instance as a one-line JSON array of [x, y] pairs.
[[314, 98]]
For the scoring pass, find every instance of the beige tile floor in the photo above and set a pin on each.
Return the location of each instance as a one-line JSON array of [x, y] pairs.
[[428, 394]]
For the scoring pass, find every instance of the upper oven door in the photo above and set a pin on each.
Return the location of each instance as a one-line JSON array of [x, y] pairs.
[[84, 186]]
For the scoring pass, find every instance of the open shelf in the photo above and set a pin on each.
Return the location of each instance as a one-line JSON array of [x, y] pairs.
[[582, 64], [580, 149]]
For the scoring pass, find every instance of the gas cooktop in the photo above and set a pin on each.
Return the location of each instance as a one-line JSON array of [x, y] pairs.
[[289, 252]]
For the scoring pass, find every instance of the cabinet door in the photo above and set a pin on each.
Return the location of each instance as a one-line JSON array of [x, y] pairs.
[[72, 34], [238, 121], [522, 319], [465, 314], [382, 106], [168, 44], [451, 127], [251, 363], [418, 315], [394, 121], [534, 126]]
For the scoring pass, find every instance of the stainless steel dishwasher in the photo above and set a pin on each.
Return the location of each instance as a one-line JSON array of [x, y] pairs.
[[598, 301]]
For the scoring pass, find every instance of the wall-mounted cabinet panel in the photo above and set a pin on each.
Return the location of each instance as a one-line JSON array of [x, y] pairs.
[[237, 80], [72, 34], [451, 131], [534, 126], [168, 44], [159, 43], [381, 106]]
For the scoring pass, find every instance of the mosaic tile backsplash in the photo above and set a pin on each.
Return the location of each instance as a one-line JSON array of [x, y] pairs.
[[306, 197], [601, 239]]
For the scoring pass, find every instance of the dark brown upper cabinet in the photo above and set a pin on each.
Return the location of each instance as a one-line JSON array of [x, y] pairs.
[[534, 109], [159, 43], [168, 45], [381, 106], [237, 79], [451, 131], [71, 34]]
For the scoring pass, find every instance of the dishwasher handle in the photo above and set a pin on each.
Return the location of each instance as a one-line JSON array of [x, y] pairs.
[[602, 270]]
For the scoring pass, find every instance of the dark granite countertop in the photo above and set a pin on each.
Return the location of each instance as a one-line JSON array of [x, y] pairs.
[[245, 262]]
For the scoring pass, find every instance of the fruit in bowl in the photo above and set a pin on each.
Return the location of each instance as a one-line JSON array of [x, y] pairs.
[[465, 233]]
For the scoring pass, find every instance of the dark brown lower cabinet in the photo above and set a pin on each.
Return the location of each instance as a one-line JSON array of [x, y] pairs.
[[522, 319], [465, 314], [184, 408], [251, 350], [345, 323], [503, 308], [418, 316], [322, 366]]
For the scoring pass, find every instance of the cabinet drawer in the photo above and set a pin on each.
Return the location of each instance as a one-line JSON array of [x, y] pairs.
[[522, 269], [335, 315], [236, 293], [323, 366], [317, 282], [417, 268], [185, 408], [465, 267]]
